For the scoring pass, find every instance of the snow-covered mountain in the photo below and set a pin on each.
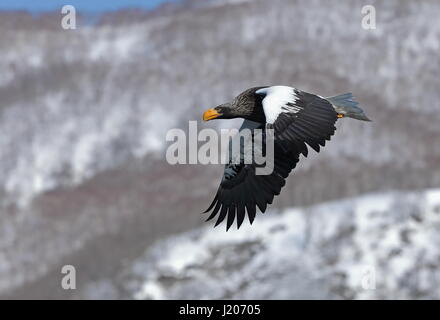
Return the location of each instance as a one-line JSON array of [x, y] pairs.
[[376, 246], [84, 113], [75, 103]]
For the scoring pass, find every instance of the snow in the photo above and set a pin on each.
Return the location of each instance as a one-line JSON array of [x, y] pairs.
[[120, 45], [131, 69], [352, 248]]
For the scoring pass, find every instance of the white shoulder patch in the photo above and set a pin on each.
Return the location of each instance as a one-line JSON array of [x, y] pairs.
[[276, 100]]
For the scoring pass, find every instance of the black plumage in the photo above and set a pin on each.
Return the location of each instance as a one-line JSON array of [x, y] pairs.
[[298, 120]]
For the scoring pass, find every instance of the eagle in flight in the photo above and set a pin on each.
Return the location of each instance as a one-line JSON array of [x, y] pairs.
[[298, 119]]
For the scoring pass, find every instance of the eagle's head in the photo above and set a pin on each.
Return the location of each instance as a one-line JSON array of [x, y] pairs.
[[246, 105]]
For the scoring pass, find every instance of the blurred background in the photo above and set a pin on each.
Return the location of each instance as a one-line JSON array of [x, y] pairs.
[[84, 181]]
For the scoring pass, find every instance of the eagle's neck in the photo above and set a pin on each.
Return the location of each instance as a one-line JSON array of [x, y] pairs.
[[250, 106]]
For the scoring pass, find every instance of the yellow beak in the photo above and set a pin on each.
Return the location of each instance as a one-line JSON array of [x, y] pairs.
[[210, 114]]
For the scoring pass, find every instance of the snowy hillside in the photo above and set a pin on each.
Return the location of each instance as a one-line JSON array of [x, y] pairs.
[[76, 103], [325, 251], [84, 113]]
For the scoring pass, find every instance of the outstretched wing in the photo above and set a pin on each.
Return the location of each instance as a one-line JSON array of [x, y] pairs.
[[298, 118], [242, 190]]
